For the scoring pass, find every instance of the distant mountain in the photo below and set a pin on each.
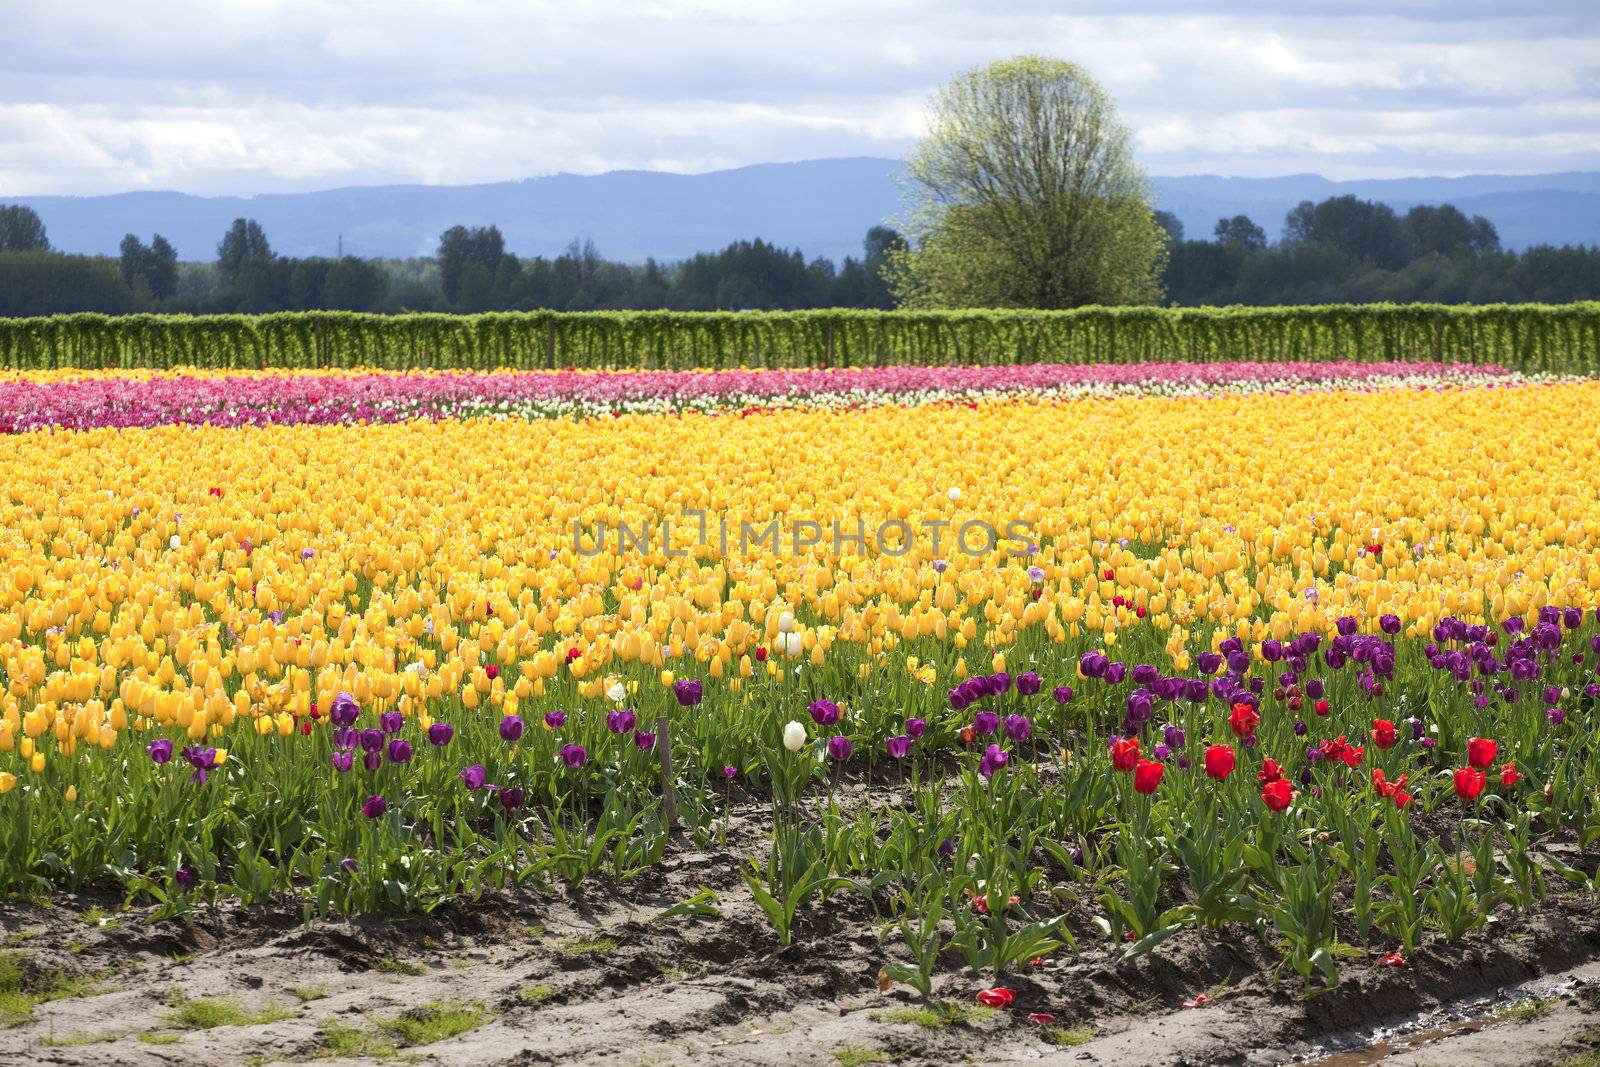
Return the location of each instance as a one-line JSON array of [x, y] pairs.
[[822, 206]]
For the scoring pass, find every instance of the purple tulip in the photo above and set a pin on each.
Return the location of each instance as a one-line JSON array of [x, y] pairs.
[[574, 755], [688, 691], [185, 877], [1061, 694], [620, 722], [371, 739], [391, 722], [348, 865], [511, 799], [372, 760], [1555, 716], [985, 723], [160, 751], [1027, 683], [399, 751], [474, 776], [344, 710], [644, 740], [994, 757], [374, 807], [1018, 728], [1389, 624], [916, 727], [947, 848], [555, 719], [343, 761], [824, 712], [511, 728], [839, 747], [440, 733]]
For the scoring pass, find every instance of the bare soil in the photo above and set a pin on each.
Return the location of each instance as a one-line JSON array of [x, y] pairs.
[[602, 977]]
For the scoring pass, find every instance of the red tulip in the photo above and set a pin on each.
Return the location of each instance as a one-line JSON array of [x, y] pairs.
[[1383, 733], [1469, 783], [761, 654], [1147, 776], [1219, 761], [1125, 753], [998, 997], [1042, 1018], [1244, 720], [1320, 707], [1277, 794], [1270, 771], [1509, 775], [1481, 752]]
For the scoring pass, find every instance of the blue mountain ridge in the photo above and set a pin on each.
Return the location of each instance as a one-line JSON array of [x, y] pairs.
[[822, 206]]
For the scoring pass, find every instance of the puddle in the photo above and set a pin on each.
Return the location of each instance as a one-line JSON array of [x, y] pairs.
[[1383, 1048], [1437, 1026]]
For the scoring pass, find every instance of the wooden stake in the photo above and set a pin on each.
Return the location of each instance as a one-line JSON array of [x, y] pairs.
[[669, 799]]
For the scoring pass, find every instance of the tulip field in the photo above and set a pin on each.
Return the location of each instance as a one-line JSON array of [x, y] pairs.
[[901, 714]]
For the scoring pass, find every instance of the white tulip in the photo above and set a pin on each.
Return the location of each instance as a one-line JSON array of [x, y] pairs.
[[791, 644], [954, 494], [786, 622], [176, 542], [794, 737], [617, 693]]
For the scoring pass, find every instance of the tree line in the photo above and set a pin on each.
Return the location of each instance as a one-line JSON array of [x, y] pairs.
[[1348, 250], [471, 272], [1342, 250]]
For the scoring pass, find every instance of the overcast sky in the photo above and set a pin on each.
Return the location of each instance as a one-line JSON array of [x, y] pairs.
[[244, 96]]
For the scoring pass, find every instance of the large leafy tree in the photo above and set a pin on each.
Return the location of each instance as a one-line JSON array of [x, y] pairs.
[[1024, 193]]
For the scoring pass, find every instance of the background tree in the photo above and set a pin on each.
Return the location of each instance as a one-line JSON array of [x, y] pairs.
[[1241, 232], [480, 248], [21, 229], [242, 247], [1024, 193]]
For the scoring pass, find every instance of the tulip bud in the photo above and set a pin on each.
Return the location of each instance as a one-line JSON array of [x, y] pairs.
[[794, 737]]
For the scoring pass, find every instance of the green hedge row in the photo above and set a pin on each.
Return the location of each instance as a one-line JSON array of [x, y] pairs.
[[1527, 337]]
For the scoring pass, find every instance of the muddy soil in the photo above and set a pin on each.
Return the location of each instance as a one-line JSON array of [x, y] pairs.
[[602, 976]]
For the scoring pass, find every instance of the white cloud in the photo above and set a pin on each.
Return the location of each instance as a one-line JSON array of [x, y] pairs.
[[236, 96]]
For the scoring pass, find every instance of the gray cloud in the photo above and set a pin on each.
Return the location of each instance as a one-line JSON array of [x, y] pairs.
[[270, 95]]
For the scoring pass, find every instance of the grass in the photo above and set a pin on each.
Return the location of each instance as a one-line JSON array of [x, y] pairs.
[[533, 931], [341, 1040], [590, 946], [433, 1022], [98, 916], [19, 995], [850, 1056], [82, 1039], [158, 1039], [208, 1013], [1528, 1009], [306, 993], [536, 995], [21, 936], [1068, 1036], [399, 967], [937, 1014]]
